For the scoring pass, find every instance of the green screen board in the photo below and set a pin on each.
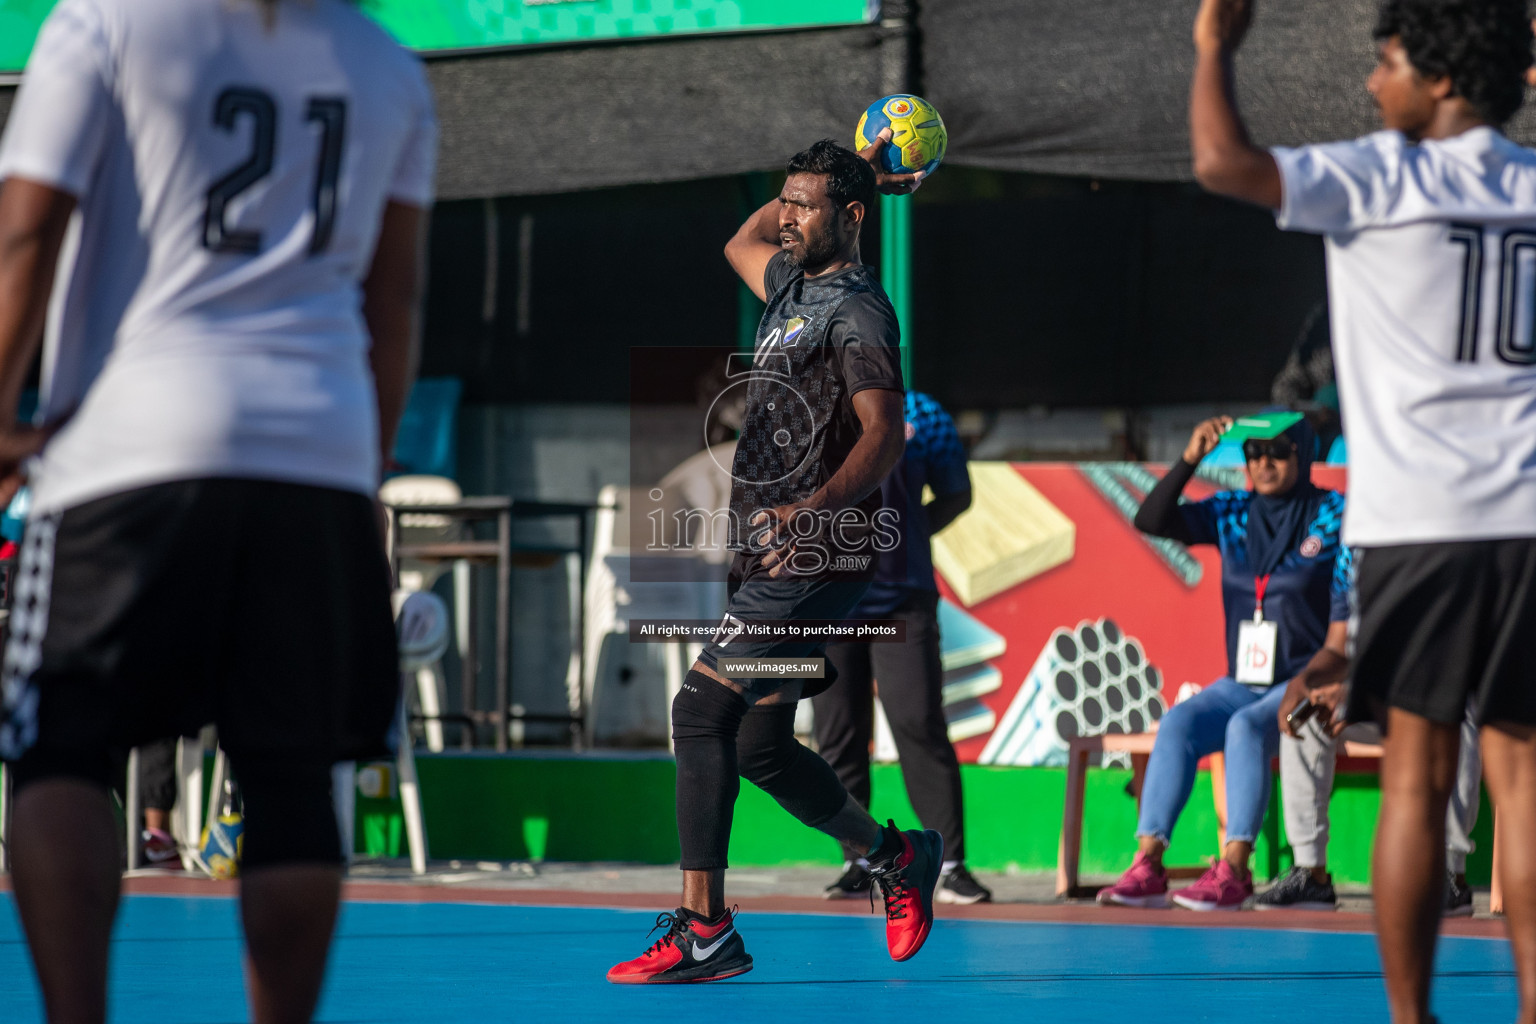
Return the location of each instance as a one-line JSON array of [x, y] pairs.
[[437, 25], [457, 24], [19, 20]]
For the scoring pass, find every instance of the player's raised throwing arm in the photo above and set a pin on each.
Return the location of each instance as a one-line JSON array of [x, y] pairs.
[[1226, 162], [754, 244], [756, 241]]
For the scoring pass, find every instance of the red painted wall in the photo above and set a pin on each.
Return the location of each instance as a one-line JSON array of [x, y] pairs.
[[1113, 574]]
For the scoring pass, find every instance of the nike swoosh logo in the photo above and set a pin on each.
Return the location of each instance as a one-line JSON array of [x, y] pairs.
[[705, 952]]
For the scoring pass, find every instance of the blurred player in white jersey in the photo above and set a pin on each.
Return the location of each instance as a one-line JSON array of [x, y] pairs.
[[226, 201], [1431, 243]]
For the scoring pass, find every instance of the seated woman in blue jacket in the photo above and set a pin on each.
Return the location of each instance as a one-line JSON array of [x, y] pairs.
[[1284, 586]]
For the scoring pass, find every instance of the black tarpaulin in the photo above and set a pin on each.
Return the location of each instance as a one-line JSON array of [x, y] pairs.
[[1101, 87], [530, 122], [1095, 88], [522, 123]]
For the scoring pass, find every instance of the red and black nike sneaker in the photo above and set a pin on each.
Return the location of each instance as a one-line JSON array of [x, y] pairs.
[[908, 881], [692, 950]]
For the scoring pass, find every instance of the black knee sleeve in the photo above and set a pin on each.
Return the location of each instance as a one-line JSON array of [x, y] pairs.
[[289, 815], [706, 716], [774, 761]]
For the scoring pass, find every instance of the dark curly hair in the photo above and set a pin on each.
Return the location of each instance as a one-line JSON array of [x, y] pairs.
[[849, 176], [1482, 46]]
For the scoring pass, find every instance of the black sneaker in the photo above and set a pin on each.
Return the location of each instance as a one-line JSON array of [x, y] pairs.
[[853, 883], [692, 950], [1458, 897], [1298, 890], [958, 886]]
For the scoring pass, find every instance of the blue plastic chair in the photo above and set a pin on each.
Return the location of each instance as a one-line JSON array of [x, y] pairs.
[[428, 439]]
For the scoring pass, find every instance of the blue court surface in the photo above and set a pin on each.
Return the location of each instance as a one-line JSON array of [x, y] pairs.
[[177, 962]]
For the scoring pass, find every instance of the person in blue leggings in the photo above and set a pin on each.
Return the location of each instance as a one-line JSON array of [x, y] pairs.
[[1285, 586]]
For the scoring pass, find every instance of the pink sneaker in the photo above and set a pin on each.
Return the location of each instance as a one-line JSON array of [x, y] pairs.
[[1142, 885], [1220, 888], [159, 847]]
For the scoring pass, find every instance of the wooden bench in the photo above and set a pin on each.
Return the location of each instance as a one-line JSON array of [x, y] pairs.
[[1139, 746]]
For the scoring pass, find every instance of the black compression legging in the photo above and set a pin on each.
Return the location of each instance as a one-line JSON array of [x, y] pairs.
[[719, 741]]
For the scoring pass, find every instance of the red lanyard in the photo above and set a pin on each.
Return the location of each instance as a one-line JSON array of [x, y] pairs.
[[1260, 584]]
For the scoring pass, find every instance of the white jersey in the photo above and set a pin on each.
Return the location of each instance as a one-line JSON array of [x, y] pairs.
[[231, 176], [1432, 288]]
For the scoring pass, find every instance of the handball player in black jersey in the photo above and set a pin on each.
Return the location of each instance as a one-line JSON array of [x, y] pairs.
[[823, 426]]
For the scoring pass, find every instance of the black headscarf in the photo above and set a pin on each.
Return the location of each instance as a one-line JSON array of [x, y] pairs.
[[1277, 524]]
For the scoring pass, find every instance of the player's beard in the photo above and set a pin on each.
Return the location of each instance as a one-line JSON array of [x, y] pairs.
[[812, 250]]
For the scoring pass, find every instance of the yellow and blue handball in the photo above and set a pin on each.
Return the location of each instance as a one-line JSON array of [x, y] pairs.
[[223, 843], [918, 138]]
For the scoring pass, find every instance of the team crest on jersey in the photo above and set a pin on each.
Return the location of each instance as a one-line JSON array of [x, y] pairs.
[[792, 329], [1312, 546]]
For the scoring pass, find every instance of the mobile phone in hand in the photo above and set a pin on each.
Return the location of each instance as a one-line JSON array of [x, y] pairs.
[[1300, 713]]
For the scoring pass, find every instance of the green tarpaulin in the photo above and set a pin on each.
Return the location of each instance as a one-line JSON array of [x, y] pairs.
[[435, 25]]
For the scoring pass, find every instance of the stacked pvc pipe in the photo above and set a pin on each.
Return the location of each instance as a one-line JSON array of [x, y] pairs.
[[1110, 481], [1089, 680]]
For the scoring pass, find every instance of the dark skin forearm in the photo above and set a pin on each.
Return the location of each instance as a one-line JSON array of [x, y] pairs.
[[754, 244], [873, 456], [945, 508], [1325, 668], [1225, 160], [33, 220], [392, 310]]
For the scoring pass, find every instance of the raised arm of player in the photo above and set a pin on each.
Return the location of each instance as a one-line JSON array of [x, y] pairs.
[[874, 454], [1226, 161], [33, 219], [756, 241], [754, 244], [392, 308]]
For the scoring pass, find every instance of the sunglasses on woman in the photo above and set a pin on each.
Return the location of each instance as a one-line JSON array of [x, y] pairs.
[[1277, 448]]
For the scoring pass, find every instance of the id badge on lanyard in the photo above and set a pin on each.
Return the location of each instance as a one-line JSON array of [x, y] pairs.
[[1257, 641]]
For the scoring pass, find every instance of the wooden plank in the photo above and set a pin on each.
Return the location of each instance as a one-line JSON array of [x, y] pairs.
[[1010, 533]]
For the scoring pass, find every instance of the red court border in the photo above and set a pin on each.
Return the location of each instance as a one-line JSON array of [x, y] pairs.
[[1074, 912]]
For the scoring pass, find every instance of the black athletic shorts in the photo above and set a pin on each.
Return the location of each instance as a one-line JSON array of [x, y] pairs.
[[1444, 627], [757, 597], [262, 607]]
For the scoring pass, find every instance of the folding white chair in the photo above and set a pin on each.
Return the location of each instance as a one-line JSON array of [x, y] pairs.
[[344, 792], [401, 492], [186, 814]]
